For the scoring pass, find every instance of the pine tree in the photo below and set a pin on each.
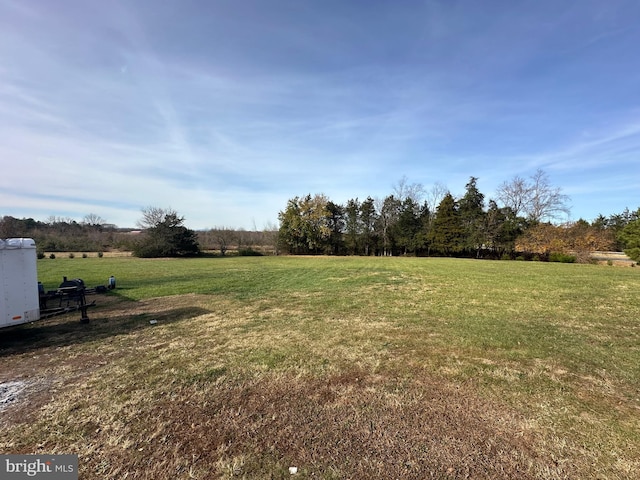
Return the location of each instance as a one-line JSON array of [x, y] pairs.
[[471, 208], [447, 232]]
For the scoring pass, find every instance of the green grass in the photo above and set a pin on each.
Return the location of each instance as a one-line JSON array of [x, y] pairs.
[[549, 350], [581, 315]]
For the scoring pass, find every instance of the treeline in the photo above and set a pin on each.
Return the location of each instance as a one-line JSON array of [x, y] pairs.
[[246, 242], [162, 236], [517, 224], [58, 234], [520, 222]]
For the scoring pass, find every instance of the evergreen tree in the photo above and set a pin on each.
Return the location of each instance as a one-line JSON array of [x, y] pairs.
[[335, 223], [630, 236], [502, 227], [471, 209], [447, 233], [290, 233], [387, 222], [353, 228], [166, 236], [408, 226], [315, 225], [368, 218], [304, 224], [422, 237]]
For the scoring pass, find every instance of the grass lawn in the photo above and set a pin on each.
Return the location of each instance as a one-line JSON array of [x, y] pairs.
[[342, 367]]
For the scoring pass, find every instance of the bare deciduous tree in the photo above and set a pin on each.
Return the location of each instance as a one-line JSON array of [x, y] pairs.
[[403, 190], [270, 236], [515, 194], [153, 216], [537, 198], [223, 237], [435, 195], [93, 220], [547, 202]]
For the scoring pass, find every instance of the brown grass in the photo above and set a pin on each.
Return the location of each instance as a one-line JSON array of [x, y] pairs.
[[180, 400], [352, 424]]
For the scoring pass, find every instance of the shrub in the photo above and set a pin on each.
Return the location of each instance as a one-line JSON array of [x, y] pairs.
[[561, 257], [100, 254], [71, 255], [52, 256], [40, 255], [249, 252], [505, 256], [84, 255]]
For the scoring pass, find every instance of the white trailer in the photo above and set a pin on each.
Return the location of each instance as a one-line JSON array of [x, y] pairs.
[[19, 296]]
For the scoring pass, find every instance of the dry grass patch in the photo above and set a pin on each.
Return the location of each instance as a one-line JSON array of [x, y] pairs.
[[354, 424]]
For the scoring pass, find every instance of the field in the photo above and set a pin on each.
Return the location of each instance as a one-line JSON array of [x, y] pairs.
[[341, 367]]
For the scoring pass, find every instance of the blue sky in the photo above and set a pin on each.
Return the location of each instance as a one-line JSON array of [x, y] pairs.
[[224, 109]]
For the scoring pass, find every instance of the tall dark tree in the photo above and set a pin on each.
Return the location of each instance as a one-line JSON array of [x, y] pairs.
[[617, 222], [425, 218], [502, 228], [335, 222], [388, 213], [408, 226], [290, 233], [600, 222], [353, 226], [447, 232], [471, 209], [630, 237], [368, 216]]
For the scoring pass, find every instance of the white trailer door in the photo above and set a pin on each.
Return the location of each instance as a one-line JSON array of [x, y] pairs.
[[19, 300]]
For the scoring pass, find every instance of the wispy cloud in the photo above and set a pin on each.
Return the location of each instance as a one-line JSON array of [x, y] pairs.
[[223, 111]]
